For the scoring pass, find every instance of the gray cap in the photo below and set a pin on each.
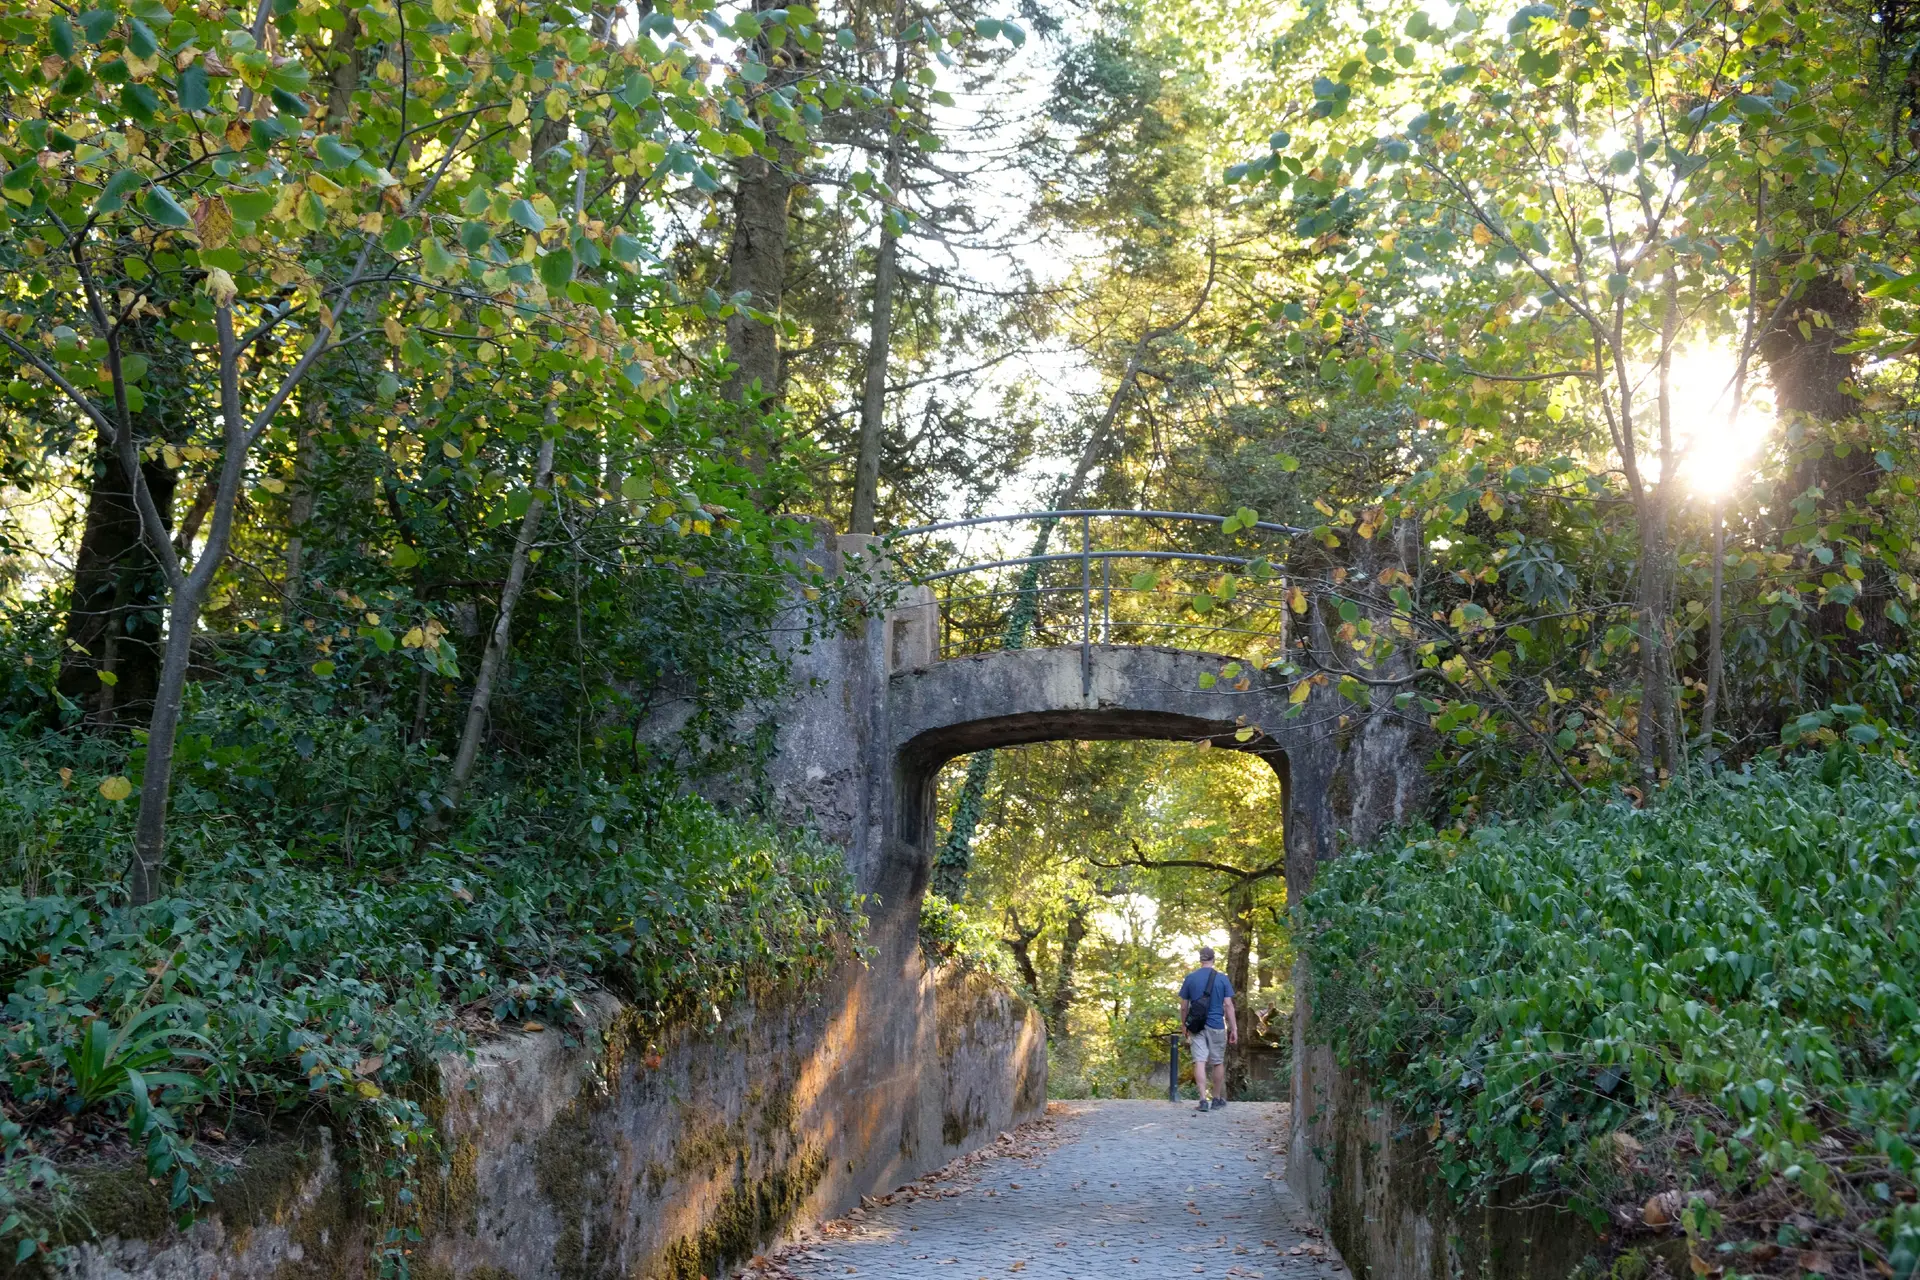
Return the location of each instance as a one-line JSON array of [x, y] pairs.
[[1206, 953]]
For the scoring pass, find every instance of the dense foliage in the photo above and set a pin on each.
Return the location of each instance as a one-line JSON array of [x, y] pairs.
[[283, 973], [1716, 996]]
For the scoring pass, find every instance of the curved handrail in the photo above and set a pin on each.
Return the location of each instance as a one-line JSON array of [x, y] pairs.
[[1088, 555], [1104, 512]]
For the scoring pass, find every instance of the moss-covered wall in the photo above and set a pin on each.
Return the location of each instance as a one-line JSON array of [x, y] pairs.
[[1369, 1177], [630, 1152]]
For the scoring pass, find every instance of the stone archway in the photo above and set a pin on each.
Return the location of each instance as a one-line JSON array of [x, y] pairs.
[[941, 710]]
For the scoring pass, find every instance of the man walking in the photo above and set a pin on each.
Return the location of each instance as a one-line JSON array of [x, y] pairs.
[[1206, 1011]]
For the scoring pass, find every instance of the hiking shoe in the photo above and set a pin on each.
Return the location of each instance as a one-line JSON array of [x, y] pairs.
[[1204, 1104], [1219, 1103]]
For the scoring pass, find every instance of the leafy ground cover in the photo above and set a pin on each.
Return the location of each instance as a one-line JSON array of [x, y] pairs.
[[309, 959], [1700, 1016]]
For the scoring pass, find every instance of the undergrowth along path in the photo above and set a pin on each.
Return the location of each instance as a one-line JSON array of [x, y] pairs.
[[1098, 1189]]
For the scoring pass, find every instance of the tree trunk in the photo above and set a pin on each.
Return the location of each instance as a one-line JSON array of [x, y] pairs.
[[502, 634], [1716, 659], [873, 400], [1239, 934], [300, 508], [1060, 1002], [183, 616], [119, 596], [344, 77], [1812, 375], [757, 267], [757, 257]]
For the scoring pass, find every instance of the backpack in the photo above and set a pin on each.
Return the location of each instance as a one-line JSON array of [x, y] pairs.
[[1198, 1010]]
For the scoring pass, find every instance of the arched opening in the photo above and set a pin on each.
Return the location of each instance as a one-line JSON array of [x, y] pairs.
[[918, 761], [1101, 861]]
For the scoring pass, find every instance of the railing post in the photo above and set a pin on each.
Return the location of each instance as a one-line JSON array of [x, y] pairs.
[[1106, 600], [1086, 606], [1173, 1066]]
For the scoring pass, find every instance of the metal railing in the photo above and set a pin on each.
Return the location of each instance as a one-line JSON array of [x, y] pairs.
[[976, 617]]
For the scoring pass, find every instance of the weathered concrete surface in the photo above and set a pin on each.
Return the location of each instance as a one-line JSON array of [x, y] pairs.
[[946, 709], [626, 1157], [1369, 1175]]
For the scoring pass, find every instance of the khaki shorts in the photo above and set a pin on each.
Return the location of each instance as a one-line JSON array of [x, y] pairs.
[[1210, 1046]]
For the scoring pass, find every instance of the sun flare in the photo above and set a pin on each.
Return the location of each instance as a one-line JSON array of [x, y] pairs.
[[1717, 443]]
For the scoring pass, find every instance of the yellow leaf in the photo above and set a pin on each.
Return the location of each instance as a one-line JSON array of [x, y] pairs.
[[395, 334], [1300, 692], [273, 484], [449, 448], [1490, 504], [414, 639], [220, 287], [116, 788], [1481, 235], [1298, 600], [517, 113], [556, 103]]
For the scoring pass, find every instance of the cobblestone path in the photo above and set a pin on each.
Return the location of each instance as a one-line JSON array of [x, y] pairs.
[[1141, 1190]]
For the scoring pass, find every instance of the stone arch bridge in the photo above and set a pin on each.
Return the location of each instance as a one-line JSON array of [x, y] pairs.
[[877, 711]]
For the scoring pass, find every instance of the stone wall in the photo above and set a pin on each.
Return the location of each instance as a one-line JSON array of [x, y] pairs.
[[617, 1154], [1370, 1178]]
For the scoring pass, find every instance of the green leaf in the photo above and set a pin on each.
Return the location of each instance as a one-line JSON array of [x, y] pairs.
[[114, 195], [164, 209], [1288, 463], [527, 216], [139, 101], [60, 33], [291, 103], [97, 23], [404, 557], [192, 89], [388, 388], [381, 637], [248, 206], [333, 153], [398, 236], [133, 367], [556, 269], [140, 41], [323, 668]]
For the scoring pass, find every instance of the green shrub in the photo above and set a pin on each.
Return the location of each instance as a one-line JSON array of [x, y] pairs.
[[948, 933], [333, 928], [1728, 983]]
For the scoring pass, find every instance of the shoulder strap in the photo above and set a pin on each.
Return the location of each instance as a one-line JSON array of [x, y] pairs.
[[1207, 995]]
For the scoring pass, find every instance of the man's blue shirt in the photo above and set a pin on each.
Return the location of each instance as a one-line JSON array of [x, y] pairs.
[[1196, 984]]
